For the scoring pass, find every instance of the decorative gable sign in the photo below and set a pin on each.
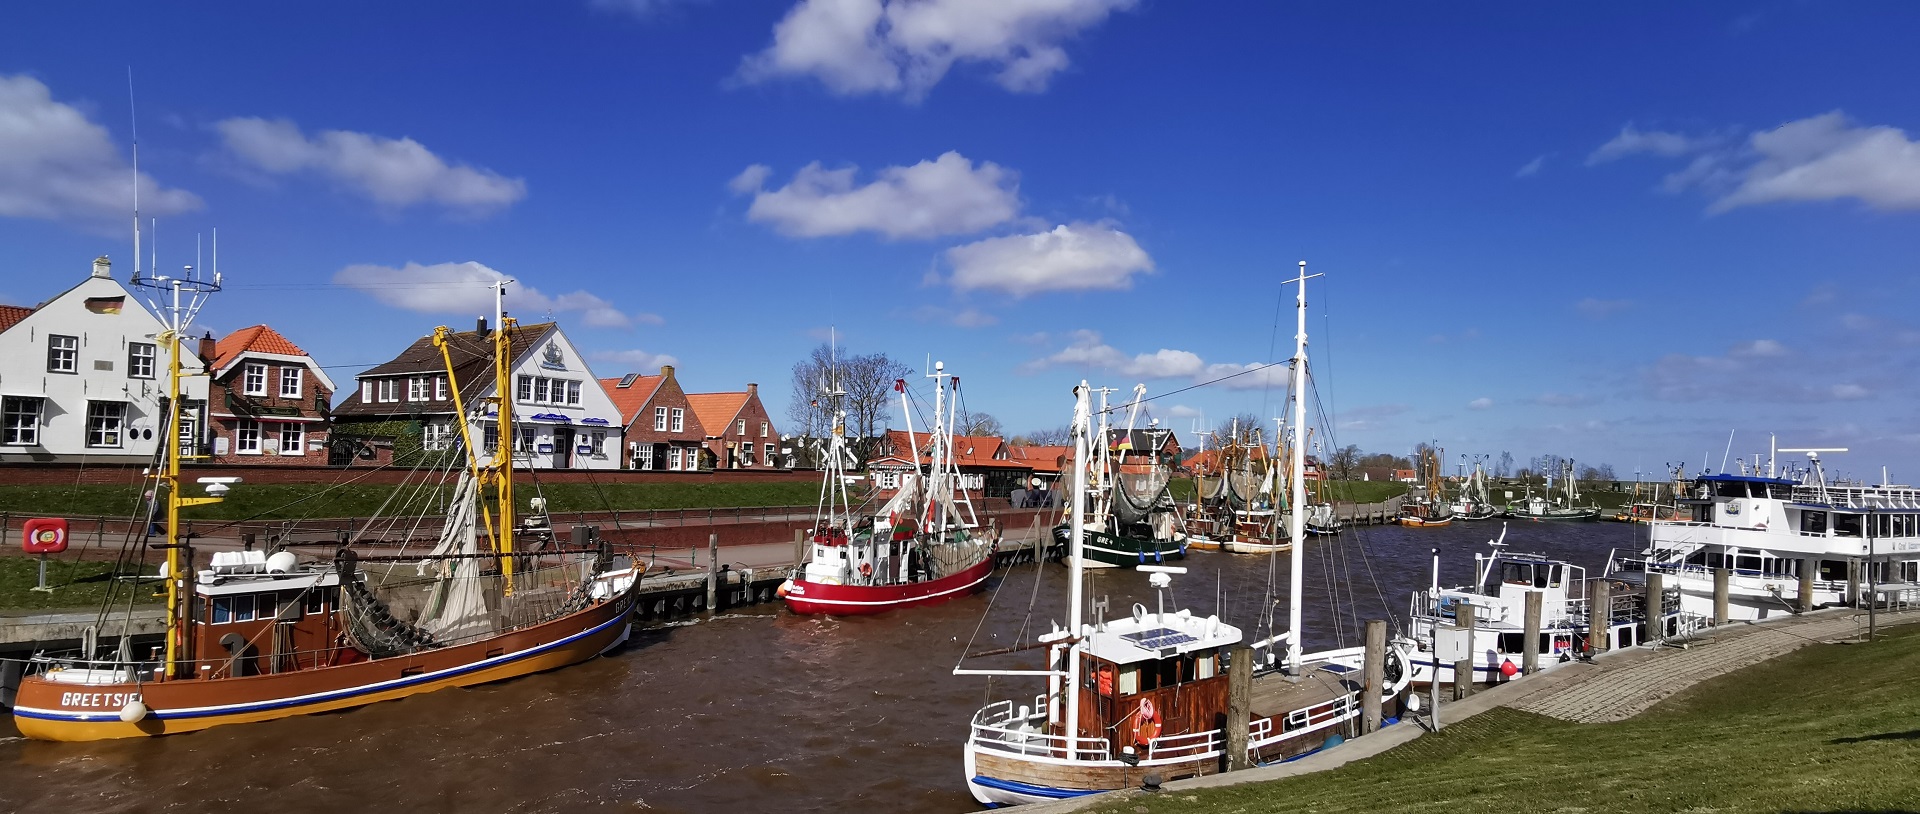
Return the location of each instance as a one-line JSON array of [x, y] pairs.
[[552, 359]]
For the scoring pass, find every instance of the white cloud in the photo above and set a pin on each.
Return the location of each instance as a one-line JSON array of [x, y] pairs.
[[1087, 350], [946, 196], [905, 47], [962, 318], [1183, 411], [1070, 257], [1849, 392], [466, 288], [57, 165], [395, 173], [634, 360], [1531, 168], [1758, 349], [1250, 376], [1481, 403], [1601, 309], [1632, 140], [1825, 158]]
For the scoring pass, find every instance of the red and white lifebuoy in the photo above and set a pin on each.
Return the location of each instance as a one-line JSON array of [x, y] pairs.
[[866, 569], [1147, 724], [44, 535]]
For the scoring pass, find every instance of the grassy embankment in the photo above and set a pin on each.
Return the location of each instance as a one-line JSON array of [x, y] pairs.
[[1826, 728], [1342, 491], [75, 583], [304, 501]]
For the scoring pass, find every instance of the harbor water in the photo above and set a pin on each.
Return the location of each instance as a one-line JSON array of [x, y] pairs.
[[750, 710]]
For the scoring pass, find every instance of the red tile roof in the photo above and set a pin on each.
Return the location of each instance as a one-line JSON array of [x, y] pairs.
[[10, 315], [974, 451], [1041, 458], [716, 411], [256, 339], [631, 399]]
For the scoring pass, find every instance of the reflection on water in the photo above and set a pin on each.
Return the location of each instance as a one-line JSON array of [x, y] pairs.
[[742, 712]]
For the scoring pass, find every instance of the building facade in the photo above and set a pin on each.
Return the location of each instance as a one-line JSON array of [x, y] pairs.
[[270, 402], [662, 431], [739, 433], [83, 377]]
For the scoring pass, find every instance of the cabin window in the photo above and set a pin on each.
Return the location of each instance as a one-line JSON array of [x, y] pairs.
[[1813, 522], [266, 606], [1516, 573], [1730, 488], [1846, 525], [236, 608], [316, 600], [1207, 665], [1833, 570], [1746, 563], [1129, 680], [1699, 559]]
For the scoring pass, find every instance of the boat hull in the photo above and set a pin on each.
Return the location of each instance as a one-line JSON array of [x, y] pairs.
[[1102, 549], [1423, 522], [807, 597], [60, 711]]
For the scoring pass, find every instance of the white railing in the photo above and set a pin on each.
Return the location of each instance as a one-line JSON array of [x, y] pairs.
[[991, 730], [1188, 746]]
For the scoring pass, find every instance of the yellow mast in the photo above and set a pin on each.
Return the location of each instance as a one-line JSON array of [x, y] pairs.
[[498, 471], [179, 567]]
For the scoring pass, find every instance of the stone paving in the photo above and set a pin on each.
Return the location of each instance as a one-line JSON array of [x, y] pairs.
[[1621, 685]]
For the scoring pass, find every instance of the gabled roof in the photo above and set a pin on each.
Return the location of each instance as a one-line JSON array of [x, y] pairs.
[[1041, 458], [977, 451], [472, 355], [1141, 439], [716, 411], [256, 339], [633, 398], [10, 315]]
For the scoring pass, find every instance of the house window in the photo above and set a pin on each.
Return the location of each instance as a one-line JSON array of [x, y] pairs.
[[598, 441], [769, 456], [673, 458], [490, 438], [523, 389], [246, 437], [63, 353], [253, 379], [679, 419], [21, 417], [659, 419], [743, 453], [439, 388], [189, 434], [888, 479], [366, 392], [542, 388], [105, 420], [435, 436], [290, 382], [389, 389], [292, 437], [573, 393], [763, 429], [417, 388], [643, 457], [140, 356], [742, 428], [523, 439]]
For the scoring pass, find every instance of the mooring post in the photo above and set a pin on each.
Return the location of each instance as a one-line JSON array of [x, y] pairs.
[[1653, 628], [1239, 706], [1721, 578], [799, 547], [1463, 615], [1530, 647], [713, 571], [1599, 616], [1376, 676], [1808, 566], [1853, 583]]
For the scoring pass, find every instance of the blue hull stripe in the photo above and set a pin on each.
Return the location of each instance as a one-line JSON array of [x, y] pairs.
[[1025, 788]]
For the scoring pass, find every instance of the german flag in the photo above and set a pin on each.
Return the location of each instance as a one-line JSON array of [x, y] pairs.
[[105, 305]]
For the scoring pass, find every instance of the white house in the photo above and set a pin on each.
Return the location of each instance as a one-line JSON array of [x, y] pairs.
[[83, 377]]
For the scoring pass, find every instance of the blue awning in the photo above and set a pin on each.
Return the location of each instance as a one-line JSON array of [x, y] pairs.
[[553, 417], [598, 421]]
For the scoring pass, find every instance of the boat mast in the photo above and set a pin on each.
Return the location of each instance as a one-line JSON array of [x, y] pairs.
[[1297, 559], [1076, 555], [500, 471]]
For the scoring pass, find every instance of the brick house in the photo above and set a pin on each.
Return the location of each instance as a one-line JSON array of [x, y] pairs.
[[269, 402], [1047, 464], [986, 464], [662, 431], [1144, 448], [739, 433]]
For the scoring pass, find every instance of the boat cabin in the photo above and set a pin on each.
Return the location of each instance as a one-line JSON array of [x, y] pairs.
[[254, 614], [1154, 676]]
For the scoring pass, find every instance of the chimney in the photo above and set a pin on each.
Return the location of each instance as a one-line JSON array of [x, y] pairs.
[[752, 389], [480, 326], [206, 344], [666, 372], [102, 267]]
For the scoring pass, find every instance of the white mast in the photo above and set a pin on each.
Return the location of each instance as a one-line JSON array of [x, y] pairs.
[[1077, 556], [1296, 520]]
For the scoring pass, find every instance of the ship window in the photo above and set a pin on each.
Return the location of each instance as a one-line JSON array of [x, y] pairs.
[[1513, 642], [1516, 573], [1846, 525], [315, 600], [1746, 563], [1833, 570], [1700, 558], [1208, 664], [222, 609], [1731, 488], [1813, 522], [1129, 680]]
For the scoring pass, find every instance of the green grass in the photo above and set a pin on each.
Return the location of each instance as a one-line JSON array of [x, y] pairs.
[[75, 584], [299, 501], [1826, 728], [1364, 491]]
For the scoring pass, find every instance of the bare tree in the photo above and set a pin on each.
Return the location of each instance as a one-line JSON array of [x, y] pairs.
[[1344, 464], [809, 409], [1505, 468], [867, 383], [1052, 437], [980, 425]]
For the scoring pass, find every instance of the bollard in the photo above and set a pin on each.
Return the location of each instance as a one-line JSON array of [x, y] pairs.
[[246, 540], [1239, 706], [1600, 616], [1463, 616], [1653, 627], [1721, 576], [1853, 583], [713, 569], [1530, 647], [1376, 676], [1808, 566]]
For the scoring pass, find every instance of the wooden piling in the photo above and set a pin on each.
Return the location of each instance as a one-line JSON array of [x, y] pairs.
[[1721, 592], [1853, 583], [1530, 647], [799, 547], [1653, 627], [1599, 616], [1376, 676], [1463, 615], [1808, 566], [713, 571], [1239, 706]]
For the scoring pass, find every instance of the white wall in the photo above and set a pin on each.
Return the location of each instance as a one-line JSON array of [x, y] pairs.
[[563, 364]]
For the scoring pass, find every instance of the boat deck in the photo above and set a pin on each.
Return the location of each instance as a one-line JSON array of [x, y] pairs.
[[1275, 695]]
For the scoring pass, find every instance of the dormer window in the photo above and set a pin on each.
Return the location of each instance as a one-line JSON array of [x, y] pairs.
[[290, 382], [253, 379]]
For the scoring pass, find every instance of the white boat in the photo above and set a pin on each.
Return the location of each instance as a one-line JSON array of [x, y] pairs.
[[1147, 693], [1777, 529]]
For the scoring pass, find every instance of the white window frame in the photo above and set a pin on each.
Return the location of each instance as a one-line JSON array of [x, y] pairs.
[[142, 356], [293, 438], [763, 429], [21, 424], [436, 436], [542, 390], [389, 390], [106, 427], [417, 388], [769, 453], [291, 375], [439, 388], [573, 393], [253, 379], [366, 391], [246, 437], [679, 419], [598, 441], [673, 459], [659, 419], [643, 457], [742, 427], [523, 389], [63, 353]]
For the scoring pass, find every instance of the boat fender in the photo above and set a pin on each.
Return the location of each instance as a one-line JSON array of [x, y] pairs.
[[1333, 740], [1507, 670], [866, 569], [781, 591], [133, 712]]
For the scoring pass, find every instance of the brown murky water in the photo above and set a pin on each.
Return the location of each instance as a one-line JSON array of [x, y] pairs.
[[750, 711]]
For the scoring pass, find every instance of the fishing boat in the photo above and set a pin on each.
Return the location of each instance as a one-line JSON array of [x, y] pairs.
[[1429, 508], [1790, 539], [1132, 517], [1502, 582], [258, 636], [1147, 693], [1562, 507], [922, 547], [1473, 502]]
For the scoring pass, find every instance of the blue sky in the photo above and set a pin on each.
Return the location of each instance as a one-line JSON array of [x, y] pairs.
[[1614, 234]]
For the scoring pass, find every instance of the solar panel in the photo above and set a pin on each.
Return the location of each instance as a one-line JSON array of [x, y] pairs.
[[1158, 637], [627, 380]]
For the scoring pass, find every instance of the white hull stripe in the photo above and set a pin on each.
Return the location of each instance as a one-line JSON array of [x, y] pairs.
[[903, 600]]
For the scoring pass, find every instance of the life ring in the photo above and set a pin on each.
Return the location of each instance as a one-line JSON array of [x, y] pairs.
[[1148, 726], [866, 569]]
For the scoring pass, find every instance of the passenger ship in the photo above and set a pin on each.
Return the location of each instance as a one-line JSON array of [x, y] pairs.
[[1784, 533]]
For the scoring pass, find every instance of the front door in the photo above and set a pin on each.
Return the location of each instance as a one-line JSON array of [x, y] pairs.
[[563, 447]]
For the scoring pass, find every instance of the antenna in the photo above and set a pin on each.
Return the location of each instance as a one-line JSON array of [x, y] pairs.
[[133, 119], [1729, 451]]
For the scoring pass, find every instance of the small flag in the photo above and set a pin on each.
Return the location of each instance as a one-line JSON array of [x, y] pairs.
[[105, 305], [899, 385]]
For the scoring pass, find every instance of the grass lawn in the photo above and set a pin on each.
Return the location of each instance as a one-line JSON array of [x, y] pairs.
[[298, 501], [75, 584], [1826, 728], [1364, 491]]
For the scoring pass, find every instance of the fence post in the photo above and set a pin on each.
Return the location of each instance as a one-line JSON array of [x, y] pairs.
[[1599, 616]]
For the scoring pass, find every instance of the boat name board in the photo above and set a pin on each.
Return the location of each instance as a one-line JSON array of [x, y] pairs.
[[97, 700]]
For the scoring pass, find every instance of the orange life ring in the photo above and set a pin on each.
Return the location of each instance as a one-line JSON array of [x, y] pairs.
[[866, 569], [1148, 726]]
